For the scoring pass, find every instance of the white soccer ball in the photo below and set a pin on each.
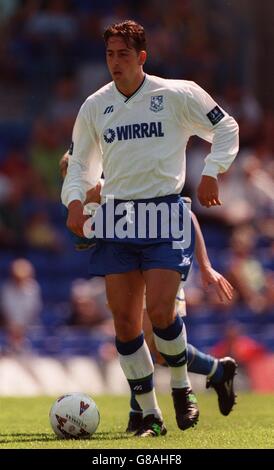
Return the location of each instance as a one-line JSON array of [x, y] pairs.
[[74, 416]]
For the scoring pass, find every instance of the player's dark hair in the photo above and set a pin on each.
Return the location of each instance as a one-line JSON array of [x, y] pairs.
[[131, 32]]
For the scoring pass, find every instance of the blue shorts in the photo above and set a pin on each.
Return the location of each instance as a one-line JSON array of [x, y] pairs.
[[115, 258], [116, 255]]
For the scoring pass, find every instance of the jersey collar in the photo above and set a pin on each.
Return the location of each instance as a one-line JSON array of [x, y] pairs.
[[136, 95]]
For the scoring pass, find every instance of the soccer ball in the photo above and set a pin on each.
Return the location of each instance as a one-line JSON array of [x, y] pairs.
[[74, 416]]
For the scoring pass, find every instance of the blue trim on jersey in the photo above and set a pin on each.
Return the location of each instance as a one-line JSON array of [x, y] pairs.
[[127, 98]]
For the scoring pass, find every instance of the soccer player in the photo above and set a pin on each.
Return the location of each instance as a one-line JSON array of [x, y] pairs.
[[220, 373], [136, 129]]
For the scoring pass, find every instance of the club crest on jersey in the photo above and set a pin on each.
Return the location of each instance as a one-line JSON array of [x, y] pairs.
[[157, 103], [83, 407]]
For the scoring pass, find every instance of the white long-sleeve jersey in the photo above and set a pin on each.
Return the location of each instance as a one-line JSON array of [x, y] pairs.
[[140, 142]]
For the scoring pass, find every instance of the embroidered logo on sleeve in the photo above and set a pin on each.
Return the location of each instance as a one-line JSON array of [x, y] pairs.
[[215, 115]]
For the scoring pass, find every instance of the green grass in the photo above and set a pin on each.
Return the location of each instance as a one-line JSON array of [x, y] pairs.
[[25, 425]]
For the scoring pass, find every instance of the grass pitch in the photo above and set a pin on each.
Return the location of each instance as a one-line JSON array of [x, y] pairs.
[[25, 425]]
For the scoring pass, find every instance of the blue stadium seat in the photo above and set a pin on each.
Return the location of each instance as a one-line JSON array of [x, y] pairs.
[[13, 134], [6, 257]]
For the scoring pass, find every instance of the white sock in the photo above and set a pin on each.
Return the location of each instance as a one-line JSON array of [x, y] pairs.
[[148, 403], [175, 347], [138, 369]]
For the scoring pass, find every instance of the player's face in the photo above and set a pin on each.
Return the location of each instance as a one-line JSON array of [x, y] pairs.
[[124, 63]]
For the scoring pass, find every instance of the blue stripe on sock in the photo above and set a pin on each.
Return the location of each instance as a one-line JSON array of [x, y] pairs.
[[143, 385], [176, 361], [129, 347], [172, 331]]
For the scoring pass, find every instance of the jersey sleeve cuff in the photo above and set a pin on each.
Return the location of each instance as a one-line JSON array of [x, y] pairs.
[[74, 196], [211, 169]]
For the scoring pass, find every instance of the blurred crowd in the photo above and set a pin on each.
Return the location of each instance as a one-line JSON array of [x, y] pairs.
[[51, 58]]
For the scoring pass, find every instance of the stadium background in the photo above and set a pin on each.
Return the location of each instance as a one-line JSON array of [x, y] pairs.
[[56, 334]]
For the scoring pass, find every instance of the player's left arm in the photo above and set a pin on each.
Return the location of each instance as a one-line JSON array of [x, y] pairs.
[[210, 122], [209, 276]]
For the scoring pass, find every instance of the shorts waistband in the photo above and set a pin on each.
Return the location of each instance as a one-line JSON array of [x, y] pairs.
[[169, 198]]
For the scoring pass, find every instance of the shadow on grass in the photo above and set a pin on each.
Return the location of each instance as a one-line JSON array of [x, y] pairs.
[[48, 437]]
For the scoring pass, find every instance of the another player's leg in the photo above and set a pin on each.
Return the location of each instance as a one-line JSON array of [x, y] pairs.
[[223, 384], [170, 340], [125, 297], [220, 375]]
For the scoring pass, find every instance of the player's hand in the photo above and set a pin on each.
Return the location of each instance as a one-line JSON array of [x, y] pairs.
[[76, 218], [94, 194], [63, 165], [208, 192], [222, 287]]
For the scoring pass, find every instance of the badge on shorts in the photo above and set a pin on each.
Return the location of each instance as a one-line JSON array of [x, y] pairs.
[[157, 103], [215, 115]]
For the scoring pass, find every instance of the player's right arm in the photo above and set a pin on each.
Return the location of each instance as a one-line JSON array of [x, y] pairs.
[[83, 172], [94, 193]]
